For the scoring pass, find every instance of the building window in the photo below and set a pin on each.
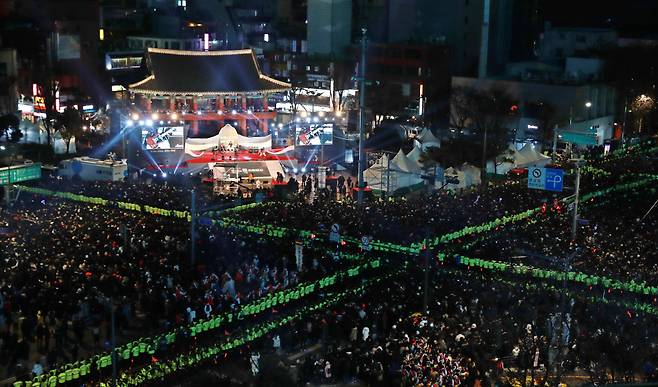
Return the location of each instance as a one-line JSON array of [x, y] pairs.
[[316, 69], [308, 68]]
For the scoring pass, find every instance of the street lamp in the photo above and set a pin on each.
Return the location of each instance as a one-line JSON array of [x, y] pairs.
[[588, 105], [579, 163]]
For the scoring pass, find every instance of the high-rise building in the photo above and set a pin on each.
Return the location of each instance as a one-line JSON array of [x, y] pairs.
[[513, 29], [329, 26]]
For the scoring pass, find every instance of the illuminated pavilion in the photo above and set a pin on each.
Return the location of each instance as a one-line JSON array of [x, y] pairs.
[[223, 86]]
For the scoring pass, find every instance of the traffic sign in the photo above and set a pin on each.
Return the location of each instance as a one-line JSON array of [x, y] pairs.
[[580, 138], [299, 255], [20, 173], [548, 179], [365, 243], [334, 234]]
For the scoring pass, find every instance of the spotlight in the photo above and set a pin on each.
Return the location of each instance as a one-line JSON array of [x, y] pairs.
[[129, 123], [154, 116], [308, 120], [249, 111], [304, 170], [220, 112], [272, 124], [149, 122], [234, 112], [315, 119], [199, 113], [161, 122], [294, 170], [174, 116], [141, 122], [297, 119], [164, 175], [135, 116], [280, 126]]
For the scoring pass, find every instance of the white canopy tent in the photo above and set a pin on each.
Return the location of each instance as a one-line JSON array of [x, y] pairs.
[[427, 139], [391, 176], [467, 174], [414, 156], [528, 156], [403, 164]]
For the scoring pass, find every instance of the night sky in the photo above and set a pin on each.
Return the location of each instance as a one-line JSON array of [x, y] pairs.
[[629, 16]]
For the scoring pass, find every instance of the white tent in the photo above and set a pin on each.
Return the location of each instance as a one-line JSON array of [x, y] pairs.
[[414, 156], [427, 139], [402, 163], [376, 174], [401, 174], [229, 138], [528, 156], [467, 174]]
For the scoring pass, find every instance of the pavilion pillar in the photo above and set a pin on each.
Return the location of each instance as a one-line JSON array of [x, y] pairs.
[[195, 104], [242, 123], [195, 127], [220, 103], [172, 103], [264, 126], [265, 107], [148, 104], [244, 103]]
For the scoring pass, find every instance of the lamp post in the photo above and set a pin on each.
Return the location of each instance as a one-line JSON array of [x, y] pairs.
[[588, 105], [362, 115], [574, 225], [8, 182]]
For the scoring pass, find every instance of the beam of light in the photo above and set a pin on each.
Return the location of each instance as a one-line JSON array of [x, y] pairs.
[[315, 150], [180, 159], [152, 160], [108, 145]]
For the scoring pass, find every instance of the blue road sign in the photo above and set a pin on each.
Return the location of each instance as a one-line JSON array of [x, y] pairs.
[[554, 179], [547, 179]]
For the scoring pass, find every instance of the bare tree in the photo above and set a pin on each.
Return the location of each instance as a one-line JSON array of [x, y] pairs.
[[69, 125]]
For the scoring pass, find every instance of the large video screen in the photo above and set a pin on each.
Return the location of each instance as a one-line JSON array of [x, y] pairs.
[[163, 138], [314, 134]]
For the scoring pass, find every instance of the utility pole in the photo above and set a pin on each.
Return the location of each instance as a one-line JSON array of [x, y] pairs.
[[623, 124], [388, 175], [192, 227], [555, 134], [8, 187], [362, 116], [574, 224]]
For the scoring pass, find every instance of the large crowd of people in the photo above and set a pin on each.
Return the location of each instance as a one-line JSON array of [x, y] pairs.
[[66, 263], [69, 265], [478, 330]]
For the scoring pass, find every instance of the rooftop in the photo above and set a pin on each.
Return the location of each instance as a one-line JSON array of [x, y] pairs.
[[176, 72]]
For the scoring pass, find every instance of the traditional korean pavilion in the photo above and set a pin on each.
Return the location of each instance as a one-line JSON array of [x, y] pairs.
[[223, 86]]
